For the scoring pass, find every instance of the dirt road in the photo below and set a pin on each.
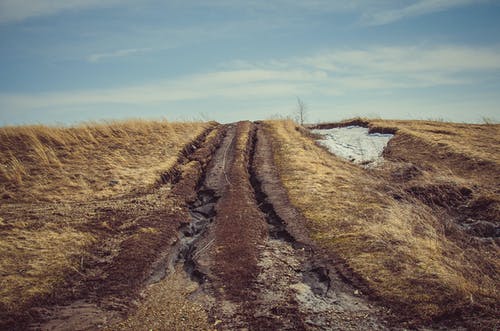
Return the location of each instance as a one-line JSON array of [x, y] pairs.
[[241, 259]]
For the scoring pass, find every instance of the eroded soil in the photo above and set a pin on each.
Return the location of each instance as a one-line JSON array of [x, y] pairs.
[[230, 253], [249, 253]]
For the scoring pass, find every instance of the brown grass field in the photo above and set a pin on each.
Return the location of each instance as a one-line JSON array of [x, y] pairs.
[[419, 231], [65, 190], [81, 209], [96, 160]]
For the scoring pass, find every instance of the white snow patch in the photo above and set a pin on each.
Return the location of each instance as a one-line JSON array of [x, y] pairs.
[[354, 143]]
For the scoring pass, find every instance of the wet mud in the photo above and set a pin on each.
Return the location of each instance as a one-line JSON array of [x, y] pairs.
[[248, 252]]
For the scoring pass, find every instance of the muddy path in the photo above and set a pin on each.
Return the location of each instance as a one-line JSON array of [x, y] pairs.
[[249, 252], [241, 258]]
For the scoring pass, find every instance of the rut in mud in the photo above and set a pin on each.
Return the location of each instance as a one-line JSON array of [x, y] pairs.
[[255, 266], [185, 249], [191, 238]]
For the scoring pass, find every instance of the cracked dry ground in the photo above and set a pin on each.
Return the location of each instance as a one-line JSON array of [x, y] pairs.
[[241, 259]]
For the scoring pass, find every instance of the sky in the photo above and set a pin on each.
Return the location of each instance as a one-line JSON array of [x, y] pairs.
[[63, 62]]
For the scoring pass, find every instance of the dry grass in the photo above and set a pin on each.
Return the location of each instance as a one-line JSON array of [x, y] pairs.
[[32, 262], [408, 251], [468, 140], [63, 190], [40, 163]]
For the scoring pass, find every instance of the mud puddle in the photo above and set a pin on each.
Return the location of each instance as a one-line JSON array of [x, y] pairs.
[[295, 295], [187, 259], [191, 239], [179, 292], [185, 250]]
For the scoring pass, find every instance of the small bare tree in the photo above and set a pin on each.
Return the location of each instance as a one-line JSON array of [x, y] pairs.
[[301, 111]]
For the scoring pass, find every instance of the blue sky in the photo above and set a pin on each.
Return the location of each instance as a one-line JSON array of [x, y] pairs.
[[228, 60]]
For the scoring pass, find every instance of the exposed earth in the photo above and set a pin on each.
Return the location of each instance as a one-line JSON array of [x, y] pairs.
[[229, 253], [240, 258]]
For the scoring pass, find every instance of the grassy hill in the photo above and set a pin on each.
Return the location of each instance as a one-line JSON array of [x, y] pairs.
[[82, 211], [419, 232], [68, 192]]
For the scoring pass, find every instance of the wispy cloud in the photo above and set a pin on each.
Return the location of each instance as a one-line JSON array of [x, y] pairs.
[[388, 15], [330, 73], [408, 59], [239, 84], [372, 12], [383, 67], [117, 53], [18, 10]]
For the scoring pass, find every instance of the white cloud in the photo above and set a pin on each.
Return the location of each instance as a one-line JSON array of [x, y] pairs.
[[240, 84], [117, 53], [422, 7], [18, 10], [408, 59], [378, 68], [330, 73]]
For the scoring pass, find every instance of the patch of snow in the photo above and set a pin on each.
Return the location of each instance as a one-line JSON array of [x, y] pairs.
[[354, 143]]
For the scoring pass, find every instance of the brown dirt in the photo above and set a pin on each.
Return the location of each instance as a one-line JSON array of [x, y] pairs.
[[240, 227], [229, 265], [216, 244], [241, 270], [259, 275]]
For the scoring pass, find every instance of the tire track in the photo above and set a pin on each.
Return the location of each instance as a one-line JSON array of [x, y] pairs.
[[296, 289], [260, 270], [242, 258]]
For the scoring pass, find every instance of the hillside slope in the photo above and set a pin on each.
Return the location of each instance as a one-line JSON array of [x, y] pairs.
[[419, 232], [247, 225], [74, 199]]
